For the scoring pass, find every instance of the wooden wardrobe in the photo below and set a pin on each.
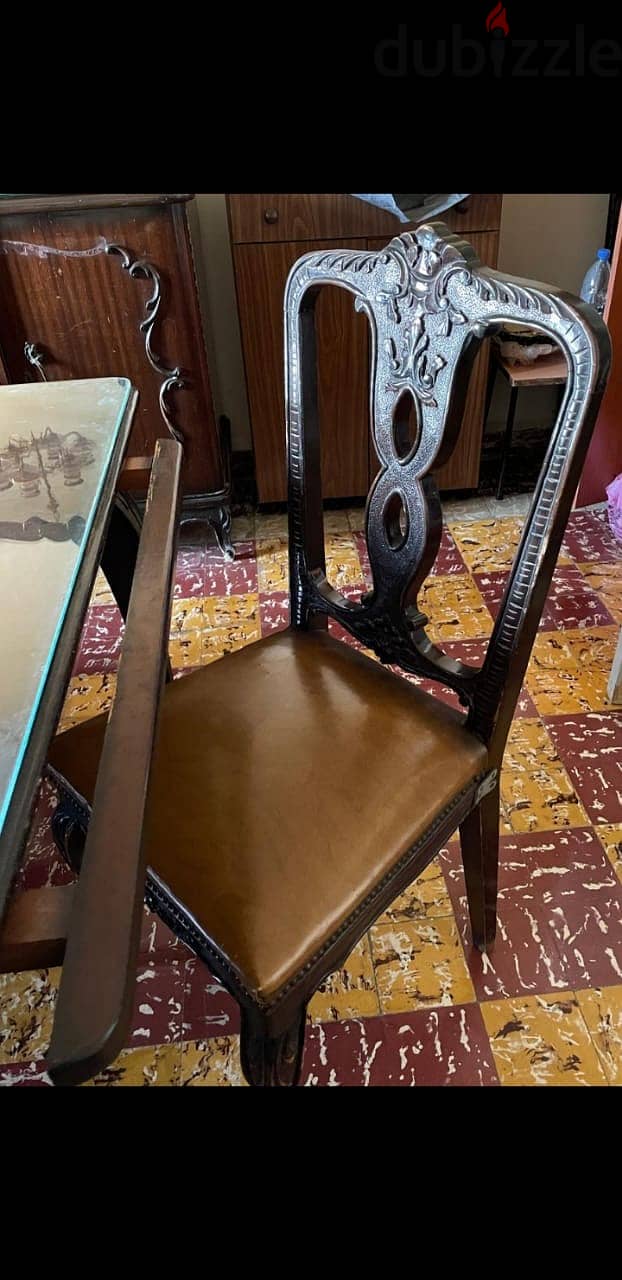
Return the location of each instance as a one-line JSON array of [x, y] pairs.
[[268, 234]]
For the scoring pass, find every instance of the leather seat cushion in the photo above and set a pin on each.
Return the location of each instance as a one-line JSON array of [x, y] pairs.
[[288, 779]]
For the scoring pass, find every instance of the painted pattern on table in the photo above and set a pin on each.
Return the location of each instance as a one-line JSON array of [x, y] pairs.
[[414, 1004]]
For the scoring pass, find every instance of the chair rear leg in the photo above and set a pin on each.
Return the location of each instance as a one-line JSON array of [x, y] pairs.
[[479, 838], [269, 1060]]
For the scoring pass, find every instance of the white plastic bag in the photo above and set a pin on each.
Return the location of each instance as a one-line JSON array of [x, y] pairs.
[[614, 507]]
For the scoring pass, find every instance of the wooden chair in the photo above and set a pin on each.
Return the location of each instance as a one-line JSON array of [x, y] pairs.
[[298, 786]]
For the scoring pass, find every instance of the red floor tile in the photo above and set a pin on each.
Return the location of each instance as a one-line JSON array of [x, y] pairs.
[[590, 747], [231, 578], [588, 537], [208, 1009], [442, 1046]]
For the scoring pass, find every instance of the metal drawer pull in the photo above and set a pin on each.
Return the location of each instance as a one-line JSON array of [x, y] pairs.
[[271, 215]]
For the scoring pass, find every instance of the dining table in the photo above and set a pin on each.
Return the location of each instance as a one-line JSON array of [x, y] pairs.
[[63, 516]]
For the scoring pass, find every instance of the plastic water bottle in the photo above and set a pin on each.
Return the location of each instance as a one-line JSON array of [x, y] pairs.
[[596, 282]]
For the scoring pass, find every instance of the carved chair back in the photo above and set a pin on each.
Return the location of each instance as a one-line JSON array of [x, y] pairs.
[[430, 304]]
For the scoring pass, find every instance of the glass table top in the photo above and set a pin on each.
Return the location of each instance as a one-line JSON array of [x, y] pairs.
[[56, 444]]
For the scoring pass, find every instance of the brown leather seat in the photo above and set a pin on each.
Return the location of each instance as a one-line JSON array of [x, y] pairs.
[[288, 779]]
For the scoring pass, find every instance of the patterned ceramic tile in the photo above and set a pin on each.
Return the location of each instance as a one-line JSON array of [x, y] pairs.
[[272, 565], [455, 609], [602, 1012], [87, 696], [24, 1074], [339, 521], [343, 567], [269, 526], [588, 538], [27, 1003], [568, 671], [190, 573], [101, 593], [42, 864], [591, 749], [559, 916], [536, 792], [431, 1047], [427, 898], [420, 964], [100, 642], [187, 615], [243, 527], [186, 651], [211, 1062], [448, 559], [487, 546], [356, 518], [231, 623], [348, 993], [605, 582], [141, 1067], [274, 612], [573, 604], [611, 840], [230, 578], [542, 1040], [208, 1009], [158, 1004]]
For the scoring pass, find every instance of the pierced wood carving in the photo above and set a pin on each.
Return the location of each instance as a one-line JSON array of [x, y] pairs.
[[430, 303]]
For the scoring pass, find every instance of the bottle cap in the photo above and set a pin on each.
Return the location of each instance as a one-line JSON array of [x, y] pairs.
[[604, 255]]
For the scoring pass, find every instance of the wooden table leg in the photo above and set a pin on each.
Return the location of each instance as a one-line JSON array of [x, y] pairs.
[[507, 440]]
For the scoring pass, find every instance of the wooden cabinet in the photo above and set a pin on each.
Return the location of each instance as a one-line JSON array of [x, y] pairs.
[[90, 312], [269, 233]]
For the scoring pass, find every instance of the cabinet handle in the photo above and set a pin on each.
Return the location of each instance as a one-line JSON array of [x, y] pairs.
[[463, 206], [271, 215]]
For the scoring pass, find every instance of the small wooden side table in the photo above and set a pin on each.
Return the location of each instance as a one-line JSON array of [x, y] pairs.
[[548, 371]]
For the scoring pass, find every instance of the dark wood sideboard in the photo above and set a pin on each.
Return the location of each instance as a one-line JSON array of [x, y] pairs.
[[94, 285], [268, 234]]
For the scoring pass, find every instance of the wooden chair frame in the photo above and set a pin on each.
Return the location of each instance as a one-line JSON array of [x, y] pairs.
[[430, 304]]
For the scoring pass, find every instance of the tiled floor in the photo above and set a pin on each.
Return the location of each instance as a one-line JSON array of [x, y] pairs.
[[415, 1004]]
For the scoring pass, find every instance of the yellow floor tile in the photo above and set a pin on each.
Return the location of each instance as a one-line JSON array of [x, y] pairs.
[[269, 527], [224, 611], [87, 696], [343, 567], [243, 527], [455, 608], [101, 593], [272, 565], [611, 839], [419, 965], [605, 580], [348, 993], [186, 650], [186, 615], [211, 1062], [139, 1067], [568, 671], [487, 546], [427, 897], [536, 792], [27, 1003], [541, 1040], [602, 1011], [220, 640], [337, 522]]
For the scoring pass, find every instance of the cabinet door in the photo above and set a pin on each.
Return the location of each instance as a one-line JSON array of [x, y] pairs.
[[84, 312], [462, 470], [261, 272]]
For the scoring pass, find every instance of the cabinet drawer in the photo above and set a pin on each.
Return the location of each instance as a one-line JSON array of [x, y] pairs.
[[259, 219]]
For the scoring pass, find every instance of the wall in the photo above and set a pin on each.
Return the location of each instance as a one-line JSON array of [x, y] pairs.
[[543, 237]]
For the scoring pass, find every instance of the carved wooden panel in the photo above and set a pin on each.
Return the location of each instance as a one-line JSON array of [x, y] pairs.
[[462, 470]]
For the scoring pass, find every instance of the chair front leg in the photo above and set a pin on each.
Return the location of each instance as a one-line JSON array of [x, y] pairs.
[[479, 838], [269, 1060]]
